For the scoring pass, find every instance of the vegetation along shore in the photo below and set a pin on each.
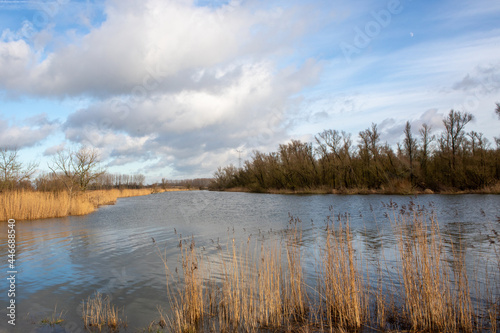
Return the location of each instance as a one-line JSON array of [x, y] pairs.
[[453, 161], [75, 185], [30, 205]]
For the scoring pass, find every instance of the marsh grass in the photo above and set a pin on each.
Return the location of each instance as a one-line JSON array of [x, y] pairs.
[[98, 314], [436, 295], [30, 205], [341, 283], [264, 289], [56, 318]]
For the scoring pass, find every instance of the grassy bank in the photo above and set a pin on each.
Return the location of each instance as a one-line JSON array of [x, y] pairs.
[[394, 189], [427, 288], [30, 205]]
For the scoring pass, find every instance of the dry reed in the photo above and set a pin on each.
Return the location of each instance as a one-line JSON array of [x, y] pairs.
[[266, 290], [435, 288], [30, 205], [99, 313], [341, 283], [187, 303]]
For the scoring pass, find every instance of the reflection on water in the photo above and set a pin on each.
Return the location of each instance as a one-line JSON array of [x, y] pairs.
[[114, 250]]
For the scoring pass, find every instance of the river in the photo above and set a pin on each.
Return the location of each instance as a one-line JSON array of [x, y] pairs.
[[62, 261]]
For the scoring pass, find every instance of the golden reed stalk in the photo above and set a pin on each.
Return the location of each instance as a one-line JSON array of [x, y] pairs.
[[98, 312], [32, 205], [267, 291]]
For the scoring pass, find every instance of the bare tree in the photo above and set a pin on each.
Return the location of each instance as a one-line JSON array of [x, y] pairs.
[[12, 171], [77, 169], [410, 144], [454, 136], [329, 145], [86, 166], [497, 111], [426, 138]]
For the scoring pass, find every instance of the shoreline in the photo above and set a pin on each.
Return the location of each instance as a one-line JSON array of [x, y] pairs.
[[495, 189], [35, 205]]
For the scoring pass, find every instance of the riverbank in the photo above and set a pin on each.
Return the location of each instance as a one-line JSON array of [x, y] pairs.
[[393, 190], [32, 205]]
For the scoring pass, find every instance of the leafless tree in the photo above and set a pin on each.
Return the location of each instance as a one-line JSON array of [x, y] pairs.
[[86, 166], [426, 139], [76, 169], [12, 171], [454, 137], [410, 144]]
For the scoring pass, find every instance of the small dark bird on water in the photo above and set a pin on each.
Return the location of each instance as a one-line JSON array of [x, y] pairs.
[[153, 240]]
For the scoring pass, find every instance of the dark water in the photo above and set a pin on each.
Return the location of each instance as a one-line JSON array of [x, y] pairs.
[[61, 262]]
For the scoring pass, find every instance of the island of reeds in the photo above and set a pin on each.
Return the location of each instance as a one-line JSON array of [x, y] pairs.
[[454, 161]]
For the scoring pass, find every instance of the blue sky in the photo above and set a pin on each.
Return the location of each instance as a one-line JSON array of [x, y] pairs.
[[174, 88]]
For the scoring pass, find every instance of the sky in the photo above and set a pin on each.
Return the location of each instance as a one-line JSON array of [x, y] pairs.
[[175, 88]]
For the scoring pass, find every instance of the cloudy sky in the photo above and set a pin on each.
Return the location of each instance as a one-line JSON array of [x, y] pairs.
[[174, 88]]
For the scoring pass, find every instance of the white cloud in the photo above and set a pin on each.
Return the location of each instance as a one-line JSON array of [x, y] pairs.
[[147, 39], [52, 150], [246, 109], [38, 128]]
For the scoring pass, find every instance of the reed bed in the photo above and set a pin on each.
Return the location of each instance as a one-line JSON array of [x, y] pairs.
[[265, 290], [98, 314], [435, 296], [30, 205], [341, 284]]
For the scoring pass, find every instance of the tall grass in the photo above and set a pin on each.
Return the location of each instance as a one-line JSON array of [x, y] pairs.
[[266, 290], [341, 282], [436, 295], [30, 205], [99, 313]]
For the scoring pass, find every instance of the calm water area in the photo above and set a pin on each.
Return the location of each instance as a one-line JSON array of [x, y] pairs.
[[62, 261]]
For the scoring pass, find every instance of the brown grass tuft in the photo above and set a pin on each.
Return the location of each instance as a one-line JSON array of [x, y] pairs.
[[99, 313]]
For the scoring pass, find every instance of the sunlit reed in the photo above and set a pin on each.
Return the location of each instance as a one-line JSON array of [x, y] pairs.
[[30, 205], [266, 289]]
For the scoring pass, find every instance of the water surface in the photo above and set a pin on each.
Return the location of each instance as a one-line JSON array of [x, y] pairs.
[[62, 261]]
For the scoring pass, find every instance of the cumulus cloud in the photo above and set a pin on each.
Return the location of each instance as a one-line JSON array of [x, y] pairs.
[[482, 80], [52, 150], [172, 83], [142, 39], [392, 130], [245, 105], [37, 129]]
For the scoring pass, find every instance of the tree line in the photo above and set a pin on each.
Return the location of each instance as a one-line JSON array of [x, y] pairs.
[[76, 171], [71, 170], [452, 160]]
